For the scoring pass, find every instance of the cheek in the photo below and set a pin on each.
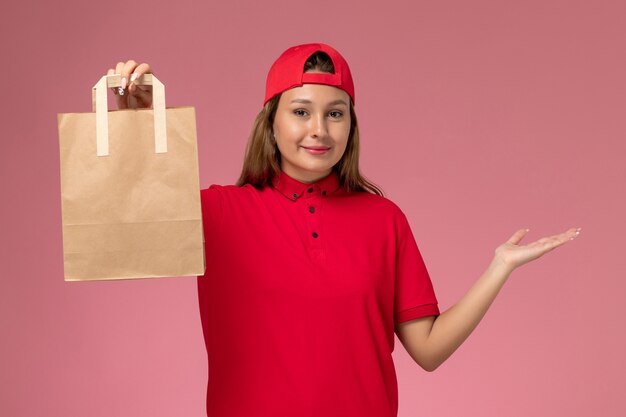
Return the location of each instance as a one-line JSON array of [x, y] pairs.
[[285, 142], [343, 150], [344, 143], [342, 134], [288, 132]]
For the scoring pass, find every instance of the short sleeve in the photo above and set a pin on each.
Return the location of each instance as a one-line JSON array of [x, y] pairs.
[[212, 213], [211, 201], [414, 295]]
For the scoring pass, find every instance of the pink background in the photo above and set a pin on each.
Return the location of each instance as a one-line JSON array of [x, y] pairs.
[[477, 118]]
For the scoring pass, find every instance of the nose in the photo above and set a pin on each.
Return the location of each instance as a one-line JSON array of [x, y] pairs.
[[318, 128]]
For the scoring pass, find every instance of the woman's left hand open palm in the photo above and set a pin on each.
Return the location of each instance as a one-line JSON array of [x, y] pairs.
[[514, 255]]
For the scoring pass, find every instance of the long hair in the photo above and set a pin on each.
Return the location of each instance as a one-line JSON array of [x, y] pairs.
[[262, 159]]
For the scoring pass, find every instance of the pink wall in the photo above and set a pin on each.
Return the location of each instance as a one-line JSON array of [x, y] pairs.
[[478, 118]]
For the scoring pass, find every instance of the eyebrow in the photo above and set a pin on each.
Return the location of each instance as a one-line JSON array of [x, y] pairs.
[[306, 101]]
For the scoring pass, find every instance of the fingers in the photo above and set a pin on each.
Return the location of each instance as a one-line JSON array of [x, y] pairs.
[[518, 236], [141, 97], [129, 72], [119, 67], [137, 72], [514, 255], [120, 99], [548, 243], [125, 71], [573, 233], [561, 238], [554, 241]]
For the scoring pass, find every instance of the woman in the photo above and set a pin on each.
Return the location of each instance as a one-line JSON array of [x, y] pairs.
[[310, 270]]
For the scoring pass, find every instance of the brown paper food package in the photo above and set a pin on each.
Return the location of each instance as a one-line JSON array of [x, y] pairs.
[[130, 190]]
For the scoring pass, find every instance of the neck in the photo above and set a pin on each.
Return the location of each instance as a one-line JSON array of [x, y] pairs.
[[308, 178]]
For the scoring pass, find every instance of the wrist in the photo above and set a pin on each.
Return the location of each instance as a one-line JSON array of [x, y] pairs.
[[500, 267]]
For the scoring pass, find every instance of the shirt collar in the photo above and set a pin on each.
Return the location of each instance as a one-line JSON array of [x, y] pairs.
[[294, 189]]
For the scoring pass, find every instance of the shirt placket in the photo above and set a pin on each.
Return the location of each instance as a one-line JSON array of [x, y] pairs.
[[313, 199]]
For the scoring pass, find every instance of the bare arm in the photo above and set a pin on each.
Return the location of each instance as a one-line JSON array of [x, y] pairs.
[[431, 341]]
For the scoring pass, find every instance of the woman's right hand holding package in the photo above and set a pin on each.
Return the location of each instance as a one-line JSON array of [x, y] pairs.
[[132, 96]]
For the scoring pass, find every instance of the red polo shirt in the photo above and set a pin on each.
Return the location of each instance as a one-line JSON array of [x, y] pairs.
[[303, 286]]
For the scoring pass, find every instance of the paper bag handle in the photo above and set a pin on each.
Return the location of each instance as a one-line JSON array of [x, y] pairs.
[[100, 107]]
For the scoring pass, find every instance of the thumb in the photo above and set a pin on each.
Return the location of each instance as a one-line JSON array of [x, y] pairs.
[[518, 236], [143, 97]]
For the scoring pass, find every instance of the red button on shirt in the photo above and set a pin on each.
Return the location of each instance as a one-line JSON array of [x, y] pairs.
[[303, 286]]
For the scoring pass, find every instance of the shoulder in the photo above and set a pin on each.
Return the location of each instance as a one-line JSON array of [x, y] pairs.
[[375, 203], [375, 209], [217, 194], [218, 200], [217, 190]]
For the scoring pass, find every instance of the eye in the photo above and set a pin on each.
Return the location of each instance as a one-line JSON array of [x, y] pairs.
[[335, 114], [300, 112]]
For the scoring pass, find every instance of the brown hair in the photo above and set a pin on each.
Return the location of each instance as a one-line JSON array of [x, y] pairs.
[[262, 160]]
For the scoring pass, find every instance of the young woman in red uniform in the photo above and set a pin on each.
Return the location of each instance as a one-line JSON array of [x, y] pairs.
[[310, 270]]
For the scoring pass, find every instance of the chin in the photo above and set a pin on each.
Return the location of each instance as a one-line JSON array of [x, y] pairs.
[[309, 171], [318, 169]]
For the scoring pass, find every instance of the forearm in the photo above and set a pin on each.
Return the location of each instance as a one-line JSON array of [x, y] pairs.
[[454, 325]]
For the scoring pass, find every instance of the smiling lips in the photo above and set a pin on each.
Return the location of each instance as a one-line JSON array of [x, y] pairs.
[[316, 150]]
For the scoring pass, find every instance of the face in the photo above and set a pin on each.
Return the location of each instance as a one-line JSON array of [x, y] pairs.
[[311, 127]]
